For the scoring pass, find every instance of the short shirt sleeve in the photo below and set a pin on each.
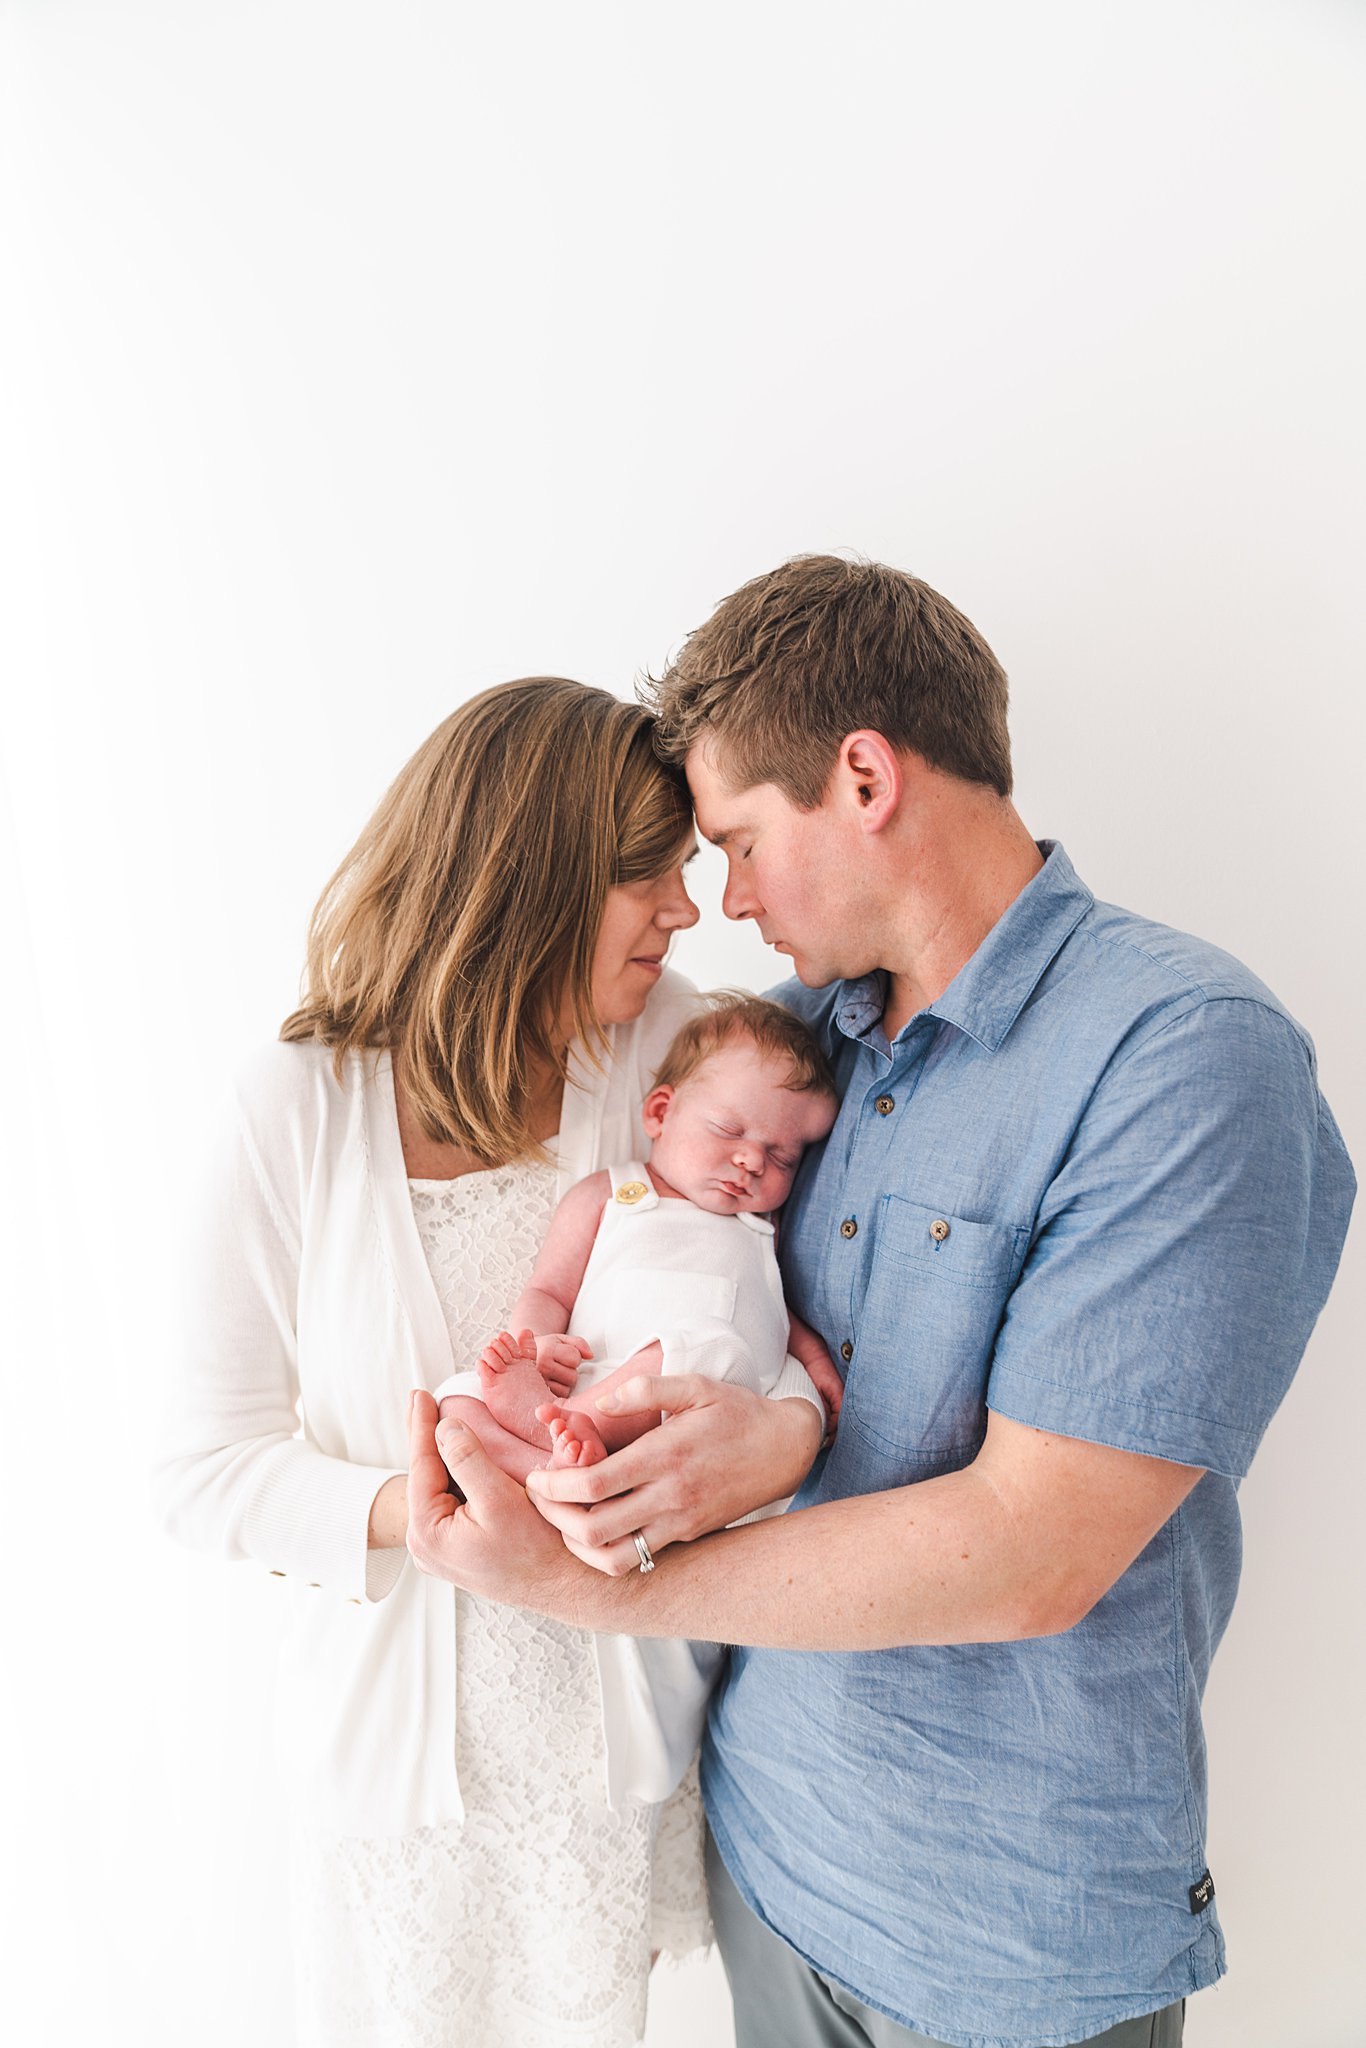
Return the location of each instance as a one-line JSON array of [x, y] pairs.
[[1184, 1247]]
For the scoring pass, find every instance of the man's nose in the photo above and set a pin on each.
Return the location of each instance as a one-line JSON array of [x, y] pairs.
[[738, 899]]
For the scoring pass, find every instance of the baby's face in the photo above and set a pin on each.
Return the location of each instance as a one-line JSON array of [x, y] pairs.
[[729, 1138]]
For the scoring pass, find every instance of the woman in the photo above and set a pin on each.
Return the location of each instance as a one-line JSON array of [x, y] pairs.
[[485, 1001]]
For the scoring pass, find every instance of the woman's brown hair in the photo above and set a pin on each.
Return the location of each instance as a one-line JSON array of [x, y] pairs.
[[460, 929]]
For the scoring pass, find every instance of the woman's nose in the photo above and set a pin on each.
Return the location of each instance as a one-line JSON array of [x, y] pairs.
[[677, 910]]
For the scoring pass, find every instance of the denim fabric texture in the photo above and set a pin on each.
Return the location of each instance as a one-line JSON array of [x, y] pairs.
[[1095, 1188]]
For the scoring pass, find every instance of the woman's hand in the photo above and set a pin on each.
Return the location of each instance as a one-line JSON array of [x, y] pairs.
[[491, 1541], [720, 1453], [388, 1526]]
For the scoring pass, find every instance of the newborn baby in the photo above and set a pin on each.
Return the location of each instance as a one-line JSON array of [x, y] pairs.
[[667, 1267]]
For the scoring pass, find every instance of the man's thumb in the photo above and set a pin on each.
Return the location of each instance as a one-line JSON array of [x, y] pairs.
[[669, 1392]]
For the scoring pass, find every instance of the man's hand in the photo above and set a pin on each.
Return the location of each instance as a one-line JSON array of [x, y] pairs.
[[493, 1542], [720, 1453]]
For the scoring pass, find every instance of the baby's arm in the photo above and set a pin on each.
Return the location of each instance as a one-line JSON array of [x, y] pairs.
[[807, 1348], [544, 1305], [517, 1372]]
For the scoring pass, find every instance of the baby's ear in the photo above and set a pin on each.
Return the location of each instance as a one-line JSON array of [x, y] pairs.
[[654, 1109]]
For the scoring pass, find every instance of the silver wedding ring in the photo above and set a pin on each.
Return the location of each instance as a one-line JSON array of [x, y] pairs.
[[647, 1563]]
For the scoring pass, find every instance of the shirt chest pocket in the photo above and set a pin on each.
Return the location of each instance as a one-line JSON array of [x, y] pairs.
[[648, 1300], [927, 1328]]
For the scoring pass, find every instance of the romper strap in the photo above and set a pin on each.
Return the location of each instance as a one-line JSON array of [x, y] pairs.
[[631, 1186]]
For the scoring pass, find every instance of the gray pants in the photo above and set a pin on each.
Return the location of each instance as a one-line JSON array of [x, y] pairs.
[[781, 2002]]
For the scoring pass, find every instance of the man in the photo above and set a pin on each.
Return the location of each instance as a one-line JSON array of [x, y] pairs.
[[1069, 1236]]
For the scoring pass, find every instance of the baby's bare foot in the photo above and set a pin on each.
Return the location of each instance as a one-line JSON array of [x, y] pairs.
[[574, 1436], [503, 1352], [513, 1388]]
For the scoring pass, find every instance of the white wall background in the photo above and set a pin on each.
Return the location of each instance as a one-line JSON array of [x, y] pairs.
[[352, 357]]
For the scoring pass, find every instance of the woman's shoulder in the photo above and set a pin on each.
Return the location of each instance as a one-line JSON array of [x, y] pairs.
[[673, 1001], [289, 1085]]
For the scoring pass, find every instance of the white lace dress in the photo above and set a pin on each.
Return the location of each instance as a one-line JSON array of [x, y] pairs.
[[530, 1924]]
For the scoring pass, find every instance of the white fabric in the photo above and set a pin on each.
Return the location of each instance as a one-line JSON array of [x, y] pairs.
[[309, 1313], [531, 1922], [708, 1290], [706, 1287]]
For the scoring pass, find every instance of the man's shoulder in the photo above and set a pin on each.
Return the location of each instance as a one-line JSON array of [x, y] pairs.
[[1158, 973], [1145, 949], [815, 1006]]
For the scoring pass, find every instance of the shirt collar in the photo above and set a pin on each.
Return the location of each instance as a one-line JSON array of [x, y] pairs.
[[989, 990]]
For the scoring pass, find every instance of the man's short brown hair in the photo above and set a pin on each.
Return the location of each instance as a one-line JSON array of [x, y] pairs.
[[821, 647], [732, 1014]]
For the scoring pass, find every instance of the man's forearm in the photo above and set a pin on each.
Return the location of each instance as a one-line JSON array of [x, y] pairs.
[[1020, 1543], [938, 1562]]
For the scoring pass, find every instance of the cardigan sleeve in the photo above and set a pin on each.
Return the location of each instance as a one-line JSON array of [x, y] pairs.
[[233, 1474]]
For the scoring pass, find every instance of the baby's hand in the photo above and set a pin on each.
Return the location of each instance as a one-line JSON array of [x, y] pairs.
[[804, 1344], [558, 1360], [820, 1370]]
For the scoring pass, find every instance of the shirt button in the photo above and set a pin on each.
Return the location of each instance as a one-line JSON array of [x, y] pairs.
[[848, 1228], [632, 1191], [939, 1230], [846, 1351], [885, 1105]]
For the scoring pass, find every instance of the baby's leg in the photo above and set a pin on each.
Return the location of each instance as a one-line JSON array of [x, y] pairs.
[[581, 1433], [508, 1451], [513, 1386]]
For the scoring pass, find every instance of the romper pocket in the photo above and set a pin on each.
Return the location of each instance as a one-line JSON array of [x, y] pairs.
[[660, 1300], [927, 1330]]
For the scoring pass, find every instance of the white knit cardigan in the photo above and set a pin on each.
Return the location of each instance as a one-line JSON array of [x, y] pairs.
[[311, 1312]]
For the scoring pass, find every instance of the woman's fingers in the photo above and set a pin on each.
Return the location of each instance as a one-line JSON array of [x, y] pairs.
[[429, 1504], [493, 1542]]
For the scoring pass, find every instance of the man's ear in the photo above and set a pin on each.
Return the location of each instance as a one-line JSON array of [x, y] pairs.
[[654, 1108], [869, 777]]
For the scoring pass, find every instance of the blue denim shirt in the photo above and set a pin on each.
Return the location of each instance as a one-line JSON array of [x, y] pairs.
[[1094, 1187]]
